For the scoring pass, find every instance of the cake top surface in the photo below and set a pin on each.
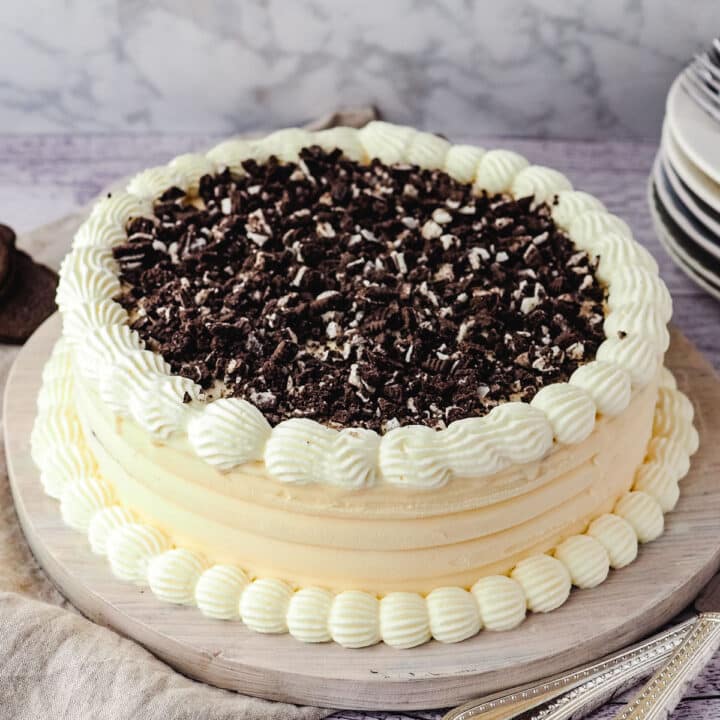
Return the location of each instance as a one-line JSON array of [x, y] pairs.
[[366, 295], [439, 312]]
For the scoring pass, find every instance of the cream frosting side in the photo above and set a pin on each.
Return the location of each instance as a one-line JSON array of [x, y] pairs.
[[218, 591], [638, 308], [318, 535], [141, 553]]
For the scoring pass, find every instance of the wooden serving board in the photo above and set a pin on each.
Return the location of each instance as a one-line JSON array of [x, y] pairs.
[[630, 604]]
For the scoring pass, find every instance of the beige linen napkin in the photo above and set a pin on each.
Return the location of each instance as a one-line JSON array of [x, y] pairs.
[[56, 664]]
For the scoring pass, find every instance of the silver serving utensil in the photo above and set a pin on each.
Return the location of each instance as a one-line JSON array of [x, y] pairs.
[[666, 687], [565, 693]]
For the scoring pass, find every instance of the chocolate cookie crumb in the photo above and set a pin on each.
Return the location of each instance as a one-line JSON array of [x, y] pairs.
[[359, 295]]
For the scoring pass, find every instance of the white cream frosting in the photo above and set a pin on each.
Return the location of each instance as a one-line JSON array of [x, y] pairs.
[[354, 620], [191, 167], [103, 347], [404, 621], [686, 434], [284, 144], [59, 366], [351, 458], [55, 393], [643, 512], [117, 209], [658, 480], [585, 558], [308, 615], [86, 317], [510, 433], [587, 230], [103, 523], [545, 582], [228, 432], [572, 203], [569, 408], [232, 153], [607, 384], [90, 257], [218, 591], [470, 450], [149, 184], [542, 183], [173, 575], [497, 170], [99, 231], [344, 138], [83, 284], [615, 252], [634, 354], [462, 162], [131, 547], [618, 538], [637, 286], [672, 407], [305, 451], [386, 141], [63, 464], [673, 419], [671, 453], [264, 605], [82, 498], [640, 320], [408, 456], [453, 614], [55, 427], [161, 409], [134, 369], [501, 601], [295, 451], [667, 380], [427, 150]]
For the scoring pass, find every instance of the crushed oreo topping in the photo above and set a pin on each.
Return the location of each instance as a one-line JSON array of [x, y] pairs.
[[359, 295]]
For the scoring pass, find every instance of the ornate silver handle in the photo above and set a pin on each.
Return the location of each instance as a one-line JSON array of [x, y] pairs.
[[626, 666], [582, 700], [666, 687]]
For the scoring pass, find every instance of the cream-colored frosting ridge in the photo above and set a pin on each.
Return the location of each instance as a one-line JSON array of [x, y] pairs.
[[230, 433]]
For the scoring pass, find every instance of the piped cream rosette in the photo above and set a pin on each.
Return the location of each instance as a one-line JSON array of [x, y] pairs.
[[230, 432], [140, 553]]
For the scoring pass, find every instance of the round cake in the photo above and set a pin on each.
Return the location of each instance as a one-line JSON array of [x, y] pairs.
[[361, 386]]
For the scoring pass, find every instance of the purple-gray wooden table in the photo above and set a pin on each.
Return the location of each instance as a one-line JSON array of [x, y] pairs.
[[43, 177]]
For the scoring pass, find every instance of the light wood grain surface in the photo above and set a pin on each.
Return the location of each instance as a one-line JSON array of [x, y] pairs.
[[43, 177]]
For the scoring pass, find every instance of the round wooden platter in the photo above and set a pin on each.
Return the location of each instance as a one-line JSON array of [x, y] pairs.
[[631, 603]]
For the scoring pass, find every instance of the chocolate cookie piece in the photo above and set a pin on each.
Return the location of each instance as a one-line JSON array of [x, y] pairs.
[[29, 300], [7, 258]]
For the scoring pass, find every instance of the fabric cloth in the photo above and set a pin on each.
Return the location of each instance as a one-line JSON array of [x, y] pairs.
[[56, 664]]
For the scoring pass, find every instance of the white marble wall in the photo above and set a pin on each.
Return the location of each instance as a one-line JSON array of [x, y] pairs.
[[557, 68]]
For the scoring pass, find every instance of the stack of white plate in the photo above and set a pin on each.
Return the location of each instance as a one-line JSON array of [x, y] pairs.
[[684, 189]]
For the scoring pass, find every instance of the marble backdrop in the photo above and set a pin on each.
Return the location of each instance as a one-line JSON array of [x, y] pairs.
[[551, 68]]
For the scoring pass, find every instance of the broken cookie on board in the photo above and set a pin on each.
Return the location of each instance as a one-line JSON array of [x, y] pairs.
[[27, 291]]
